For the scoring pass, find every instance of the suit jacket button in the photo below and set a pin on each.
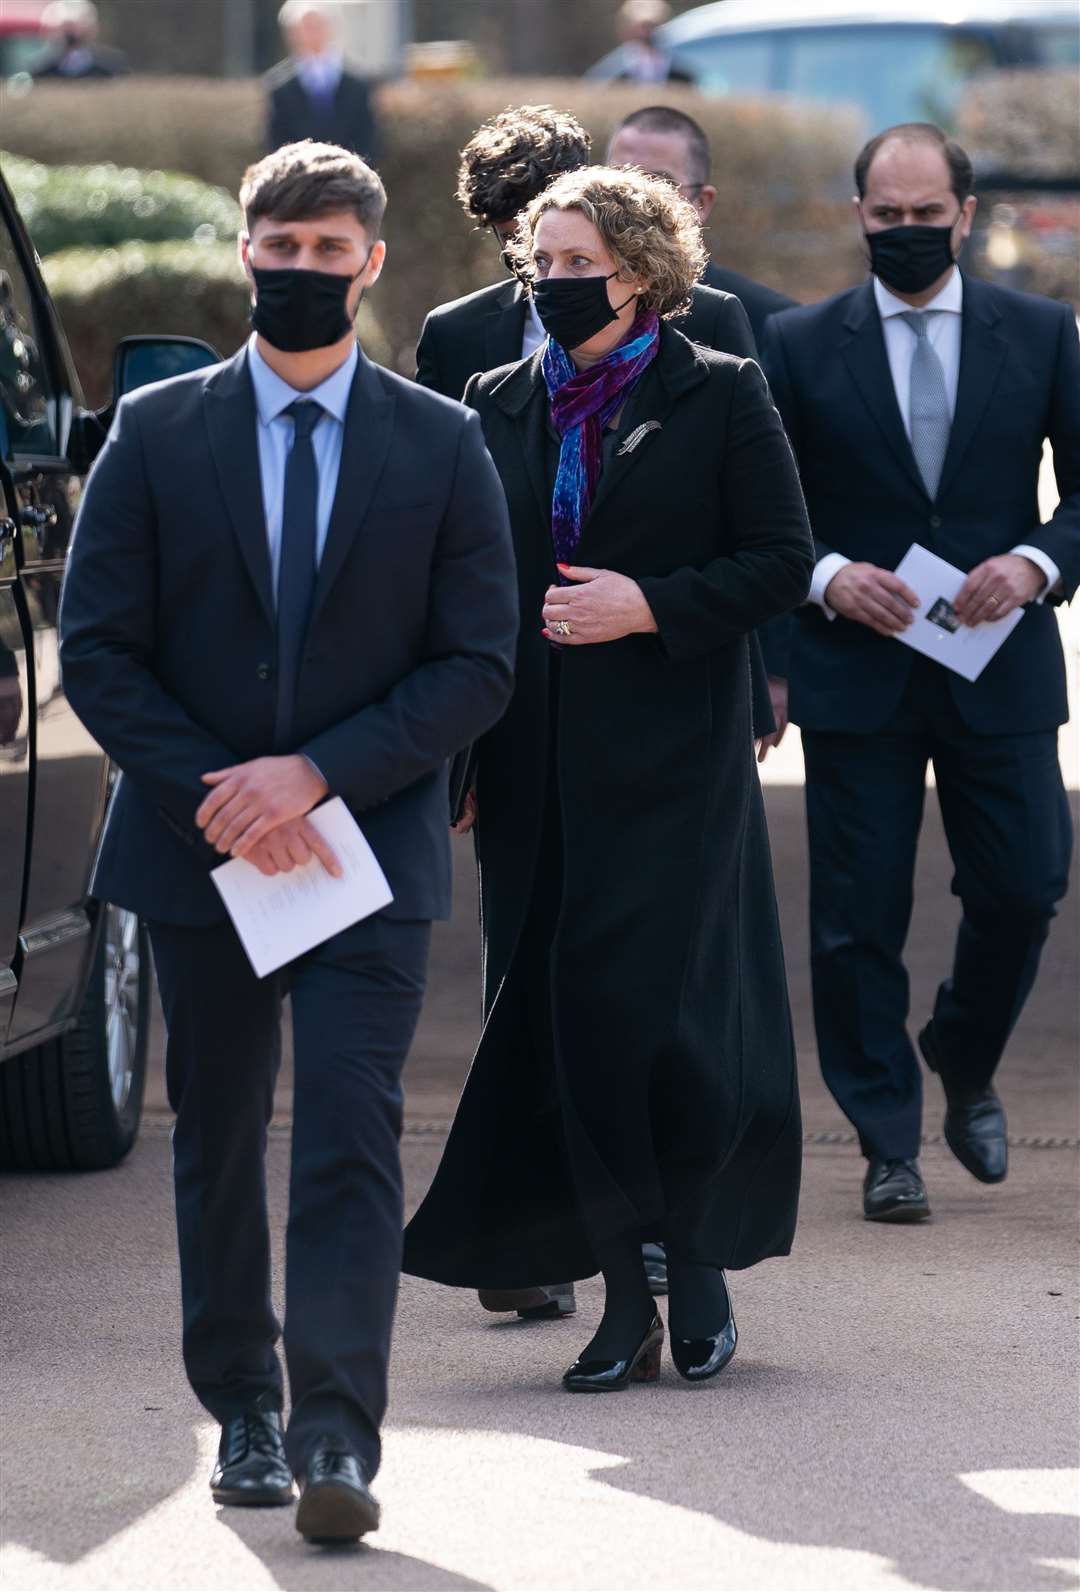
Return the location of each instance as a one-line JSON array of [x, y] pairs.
[[935, 522], [264, 671]]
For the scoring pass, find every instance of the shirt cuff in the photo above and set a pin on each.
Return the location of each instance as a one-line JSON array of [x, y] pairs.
[[824, 570], [1048, 567]]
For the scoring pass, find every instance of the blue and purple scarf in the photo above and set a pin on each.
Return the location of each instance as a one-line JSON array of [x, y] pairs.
[[582, 403]]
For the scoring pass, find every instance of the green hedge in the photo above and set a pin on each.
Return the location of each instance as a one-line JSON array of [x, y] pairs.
[[182, 289], [67, 207], [783, 171]]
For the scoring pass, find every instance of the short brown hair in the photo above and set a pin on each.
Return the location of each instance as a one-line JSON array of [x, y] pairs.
[[648, 227], [961, 172], [513, 157], [301, 181]]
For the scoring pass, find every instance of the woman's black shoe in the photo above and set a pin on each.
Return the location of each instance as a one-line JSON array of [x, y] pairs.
[[697, 1359], [611, 1376]]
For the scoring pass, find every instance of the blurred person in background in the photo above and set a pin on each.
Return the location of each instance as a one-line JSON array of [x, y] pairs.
[[635, 1079], [313, 94], [75, 52], [918, 404], [668, 143], [644, 59], [508, 162]]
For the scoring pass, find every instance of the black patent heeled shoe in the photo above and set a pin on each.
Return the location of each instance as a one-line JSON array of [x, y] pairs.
[[698, 1359], [611, 1376]]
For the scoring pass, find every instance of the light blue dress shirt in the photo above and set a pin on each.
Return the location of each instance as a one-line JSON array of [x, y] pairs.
[[275, 437]]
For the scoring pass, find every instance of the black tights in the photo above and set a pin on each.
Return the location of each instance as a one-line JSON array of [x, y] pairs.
[[628, 1304]]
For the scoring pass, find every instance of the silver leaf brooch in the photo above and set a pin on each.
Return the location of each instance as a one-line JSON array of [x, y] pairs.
[[638, 434]]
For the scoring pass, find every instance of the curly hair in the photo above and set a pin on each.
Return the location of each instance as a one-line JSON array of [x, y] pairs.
[[513, 157], [647, 226]]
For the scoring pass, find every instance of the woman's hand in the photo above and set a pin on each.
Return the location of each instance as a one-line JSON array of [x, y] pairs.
[[468, 816], [604, 606]]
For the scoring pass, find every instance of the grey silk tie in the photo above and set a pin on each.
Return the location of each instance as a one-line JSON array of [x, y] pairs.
[[929, 405]]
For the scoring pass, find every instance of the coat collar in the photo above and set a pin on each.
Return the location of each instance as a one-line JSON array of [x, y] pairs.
[[231, 422], [678, 365]]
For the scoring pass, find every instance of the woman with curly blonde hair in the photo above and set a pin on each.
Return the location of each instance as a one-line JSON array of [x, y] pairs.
[[635, 1079]]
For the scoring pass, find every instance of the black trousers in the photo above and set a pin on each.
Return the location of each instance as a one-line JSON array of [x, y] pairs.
[[1009, 831], [355, 1003]]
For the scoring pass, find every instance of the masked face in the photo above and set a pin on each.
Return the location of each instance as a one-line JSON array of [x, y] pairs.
[[573, 309], [297, 311], [910, 258]]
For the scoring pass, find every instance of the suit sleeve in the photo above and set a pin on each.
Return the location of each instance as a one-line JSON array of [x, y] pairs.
[[107, 638], [277, 133], [767, 570], [1059, 538], [466, 679], [427, 358]]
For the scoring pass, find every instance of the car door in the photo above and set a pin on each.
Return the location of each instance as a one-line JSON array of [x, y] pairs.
[[67, 770]]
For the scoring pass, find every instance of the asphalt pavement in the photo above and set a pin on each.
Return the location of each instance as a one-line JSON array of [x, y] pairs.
[[901, 1411]]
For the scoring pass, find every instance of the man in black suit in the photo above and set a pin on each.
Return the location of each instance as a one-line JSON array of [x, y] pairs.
[[313, 94], [668, 143], [292, 578], [76, 55], [918, 405]]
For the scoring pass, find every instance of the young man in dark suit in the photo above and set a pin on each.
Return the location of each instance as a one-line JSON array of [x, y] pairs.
[[918, 405], [292, 579], [313, 94]]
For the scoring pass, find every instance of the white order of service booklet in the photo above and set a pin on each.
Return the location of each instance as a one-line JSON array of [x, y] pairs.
[[280, 917], [936, 630]]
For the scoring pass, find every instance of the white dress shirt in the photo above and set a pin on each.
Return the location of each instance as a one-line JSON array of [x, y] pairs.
[[534, 332], [320, 74], [274, 430], [943, 333]]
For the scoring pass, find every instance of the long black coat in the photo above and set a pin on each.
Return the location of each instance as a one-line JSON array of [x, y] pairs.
[[667, 982]]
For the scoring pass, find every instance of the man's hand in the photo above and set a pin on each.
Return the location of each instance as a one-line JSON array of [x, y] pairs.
[[251, 799], [872, 596], [468, 816], [778, 696], [290, 846], [997, 586], [604, 606]]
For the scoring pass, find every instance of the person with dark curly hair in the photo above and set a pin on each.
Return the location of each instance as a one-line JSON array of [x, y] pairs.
[[635, 1078]]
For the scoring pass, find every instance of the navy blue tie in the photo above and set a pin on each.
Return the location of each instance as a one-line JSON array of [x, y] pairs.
[[297, 568]]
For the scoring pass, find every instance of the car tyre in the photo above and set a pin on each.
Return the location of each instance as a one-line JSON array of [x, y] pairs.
[[75, 1102]]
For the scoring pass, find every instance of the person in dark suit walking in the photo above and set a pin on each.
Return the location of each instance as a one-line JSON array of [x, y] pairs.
[[313, 94], [918, 404], [331, 614], [635, 1078]]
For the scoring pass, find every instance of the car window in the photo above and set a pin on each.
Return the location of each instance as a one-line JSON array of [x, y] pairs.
[[1057, 46], [735, 64], [896, 74], [27, 409]]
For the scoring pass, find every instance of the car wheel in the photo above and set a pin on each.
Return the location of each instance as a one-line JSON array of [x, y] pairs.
[[75, 1102]]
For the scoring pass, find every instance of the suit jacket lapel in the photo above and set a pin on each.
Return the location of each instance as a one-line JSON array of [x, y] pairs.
[[231, 424], [504, 328], [982, 350], [369, 429], [868, 364], [522, 394]]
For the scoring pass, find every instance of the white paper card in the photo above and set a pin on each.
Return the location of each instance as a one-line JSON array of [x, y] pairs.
[[280, 918], [935, 629]]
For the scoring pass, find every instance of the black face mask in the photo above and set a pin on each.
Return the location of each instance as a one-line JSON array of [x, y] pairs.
[[573, 309], [297, 311], [910, 258]]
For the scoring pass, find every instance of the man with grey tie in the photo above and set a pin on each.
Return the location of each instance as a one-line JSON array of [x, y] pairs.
[[918, 405]]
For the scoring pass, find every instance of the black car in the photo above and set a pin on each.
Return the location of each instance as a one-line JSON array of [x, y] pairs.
[[74, 974]]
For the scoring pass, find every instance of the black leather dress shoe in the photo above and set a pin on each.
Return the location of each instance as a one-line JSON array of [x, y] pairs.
[[655, 1258], [975, 1127], [532, 1304], [698, 1359], [893, 1191], [336, 1503], [251, 1466], [611, 1376]]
